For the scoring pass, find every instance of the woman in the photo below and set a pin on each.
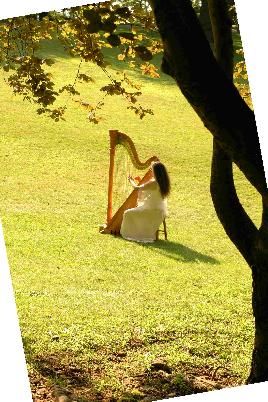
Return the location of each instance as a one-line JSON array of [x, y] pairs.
[[141, 223]]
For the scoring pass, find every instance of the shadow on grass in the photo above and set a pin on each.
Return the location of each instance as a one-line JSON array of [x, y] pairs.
[[179, 252], [157, 385], [54, 49], [63, 375], [73, 376], [56, 376]]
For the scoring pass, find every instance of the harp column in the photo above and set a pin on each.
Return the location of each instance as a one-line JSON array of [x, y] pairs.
[[113, 142]]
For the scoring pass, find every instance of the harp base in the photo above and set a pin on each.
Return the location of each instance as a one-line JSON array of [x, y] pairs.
[[104, 229]]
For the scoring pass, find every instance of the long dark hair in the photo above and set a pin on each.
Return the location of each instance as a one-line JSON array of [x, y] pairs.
[[162, 178]]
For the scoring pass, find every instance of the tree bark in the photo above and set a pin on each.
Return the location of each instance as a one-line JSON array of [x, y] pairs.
[[207, 85]]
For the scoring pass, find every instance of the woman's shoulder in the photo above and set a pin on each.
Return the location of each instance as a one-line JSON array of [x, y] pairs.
[[152, 184], [149, 185]]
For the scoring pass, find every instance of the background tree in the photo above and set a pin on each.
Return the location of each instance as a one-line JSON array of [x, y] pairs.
[[142, 10], [203, 11]]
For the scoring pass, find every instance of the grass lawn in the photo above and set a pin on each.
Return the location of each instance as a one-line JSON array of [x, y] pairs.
[[96, 312]]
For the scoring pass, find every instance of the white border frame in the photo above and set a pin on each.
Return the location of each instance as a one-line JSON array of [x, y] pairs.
[[13, 374]]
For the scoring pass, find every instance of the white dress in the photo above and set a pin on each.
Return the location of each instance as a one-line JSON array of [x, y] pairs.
[[141, 223]]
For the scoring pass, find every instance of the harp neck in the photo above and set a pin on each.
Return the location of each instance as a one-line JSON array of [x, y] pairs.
[[117, 138]]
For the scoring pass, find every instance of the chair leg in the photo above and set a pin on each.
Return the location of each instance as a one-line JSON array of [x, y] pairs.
[[164, 231], [165, 228]]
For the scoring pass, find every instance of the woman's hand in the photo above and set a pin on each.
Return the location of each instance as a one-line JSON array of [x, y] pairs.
[[132, 181]]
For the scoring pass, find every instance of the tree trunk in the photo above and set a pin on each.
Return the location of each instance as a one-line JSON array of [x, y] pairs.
[[235, 221], [207, 85], [259, 362]]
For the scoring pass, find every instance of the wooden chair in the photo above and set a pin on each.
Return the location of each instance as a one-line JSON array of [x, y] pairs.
[[164, 230]]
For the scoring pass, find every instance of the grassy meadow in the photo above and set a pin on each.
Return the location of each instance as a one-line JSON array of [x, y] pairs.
[[97, 312]]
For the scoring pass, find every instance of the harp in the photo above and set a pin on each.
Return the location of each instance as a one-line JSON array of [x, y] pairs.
[[114, 220]]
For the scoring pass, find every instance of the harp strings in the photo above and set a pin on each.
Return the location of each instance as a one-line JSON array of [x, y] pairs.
[[123, 168], [120, 182]]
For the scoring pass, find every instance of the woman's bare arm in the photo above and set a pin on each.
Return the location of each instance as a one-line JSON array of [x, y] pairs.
[[149, 184]]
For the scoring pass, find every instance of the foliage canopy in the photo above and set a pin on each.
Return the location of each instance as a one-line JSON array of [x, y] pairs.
[[84, 32]]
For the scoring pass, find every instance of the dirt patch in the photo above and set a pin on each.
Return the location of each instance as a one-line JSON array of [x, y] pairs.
[[70, 379]]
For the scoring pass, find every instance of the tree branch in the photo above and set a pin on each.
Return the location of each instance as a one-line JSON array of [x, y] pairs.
[[222, 35], [235, 221]]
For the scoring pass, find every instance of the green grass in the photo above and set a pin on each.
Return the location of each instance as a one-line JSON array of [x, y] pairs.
[[96, 305]]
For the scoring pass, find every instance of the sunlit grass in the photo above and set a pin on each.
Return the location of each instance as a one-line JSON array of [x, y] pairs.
[[86, 295]]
